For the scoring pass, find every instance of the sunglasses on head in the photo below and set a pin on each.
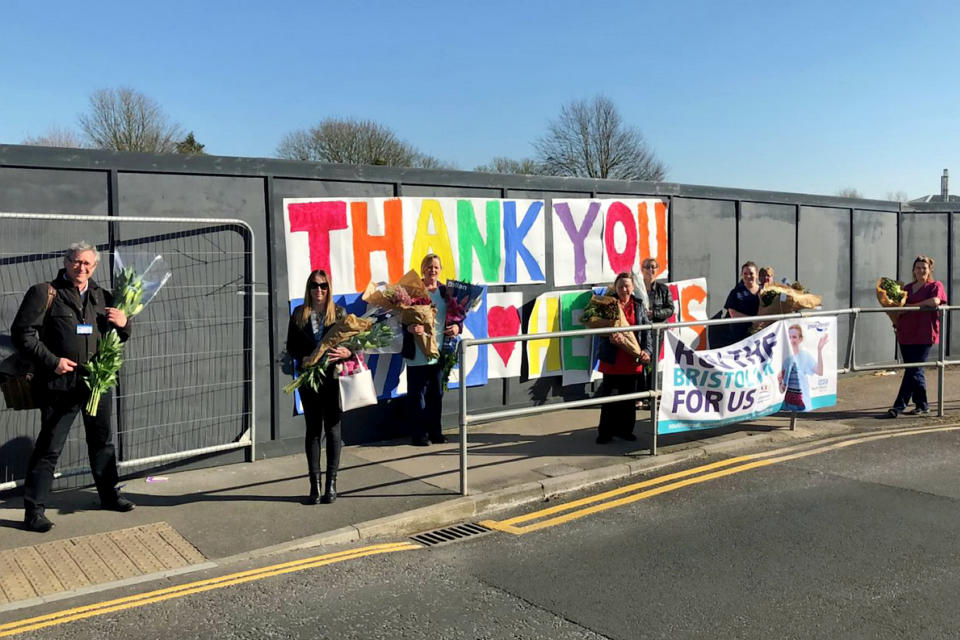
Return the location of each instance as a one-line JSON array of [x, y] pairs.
[[323, 286]]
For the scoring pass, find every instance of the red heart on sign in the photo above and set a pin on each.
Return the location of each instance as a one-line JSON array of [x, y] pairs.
[[503, 321]]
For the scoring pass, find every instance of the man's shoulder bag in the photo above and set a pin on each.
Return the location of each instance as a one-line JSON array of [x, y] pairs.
[[16, 373]]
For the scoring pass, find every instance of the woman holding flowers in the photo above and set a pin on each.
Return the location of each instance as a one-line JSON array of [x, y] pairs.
[[321, 408], [622, 371], [424, 374], [917, 332]]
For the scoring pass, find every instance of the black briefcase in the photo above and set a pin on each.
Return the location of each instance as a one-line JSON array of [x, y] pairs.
[[16, 381]]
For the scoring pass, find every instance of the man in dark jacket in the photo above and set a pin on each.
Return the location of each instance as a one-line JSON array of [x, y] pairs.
[[57, 327]]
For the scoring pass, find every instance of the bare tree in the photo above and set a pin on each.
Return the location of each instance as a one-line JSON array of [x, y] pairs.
[[590, 140], [55, 137], [126, 120], [502, 164], [351, 141], [849, 192], [898, 196]]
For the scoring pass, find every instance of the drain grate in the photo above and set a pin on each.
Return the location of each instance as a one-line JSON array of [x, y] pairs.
[[450, 534]]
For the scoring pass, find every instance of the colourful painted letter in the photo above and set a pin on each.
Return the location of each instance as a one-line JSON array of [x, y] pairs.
[[468, 232], [318, 219], [391, 242]]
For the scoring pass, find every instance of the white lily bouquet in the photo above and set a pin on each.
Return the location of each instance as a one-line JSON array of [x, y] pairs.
[[133, 289]]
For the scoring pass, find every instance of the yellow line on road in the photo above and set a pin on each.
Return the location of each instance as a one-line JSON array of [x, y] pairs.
[[622, 490], [139, 600], [716, 471]]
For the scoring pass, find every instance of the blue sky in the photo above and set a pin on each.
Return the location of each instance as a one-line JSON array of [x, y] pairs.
[[793, 96]]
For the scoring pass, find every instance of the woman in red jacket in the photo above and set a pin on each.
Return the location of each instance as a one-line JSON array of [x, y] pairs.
[[917, 332]]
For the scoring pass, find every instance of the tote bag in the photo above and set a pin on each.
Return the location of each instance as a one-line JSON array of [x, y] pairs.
[[356, 384]]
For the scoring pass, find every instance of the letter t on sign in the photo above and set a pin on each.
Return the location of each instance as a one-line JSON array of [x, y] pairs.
[[318, 219]]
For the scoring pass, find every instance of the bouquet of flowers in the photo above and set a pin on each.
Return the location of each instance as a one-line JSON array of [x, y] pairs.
[[605, 311], [411, 299], [890, 293], [462, 298], [356, 334], [132, 291], [784, 298]]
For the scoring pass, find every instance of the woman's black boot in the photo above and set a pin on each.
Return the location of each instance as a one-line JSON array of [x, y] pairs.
[[331, 489], [314, 497]]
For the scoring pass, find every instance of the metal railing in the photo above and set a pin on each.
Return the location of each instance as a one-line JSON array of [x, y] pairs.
[[653, 394], [162, 387]]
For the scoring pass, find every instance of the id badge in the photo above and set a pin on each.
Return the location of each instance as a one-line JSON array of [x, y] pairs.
[[84, 329]]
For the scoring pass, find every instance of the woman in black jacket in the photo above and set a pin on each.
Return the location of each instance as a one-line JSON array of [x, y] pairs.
[[661, 308], [661, 302], [321, 409]]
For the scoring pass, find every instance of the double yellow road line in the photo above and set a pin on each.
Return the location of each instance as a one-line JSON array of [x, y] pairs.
[[537, 520], [139, 600], [621, 496]]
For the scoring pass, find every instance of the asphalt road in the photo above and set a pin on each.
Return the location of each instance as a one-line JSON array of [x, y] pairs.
[[858, 542]]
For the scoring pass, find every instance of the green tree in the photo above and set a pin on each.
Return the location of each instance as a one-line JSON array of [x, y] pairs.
[[190, 147]]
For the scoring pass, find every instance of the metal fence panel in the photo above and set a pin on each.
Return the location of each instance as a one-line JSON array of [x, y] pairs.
[[186, 385]]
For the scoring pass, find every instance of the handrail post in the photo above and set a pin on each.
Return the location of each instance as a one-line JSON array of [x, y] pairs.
[[940, 362], [654, 410], [462, 393]]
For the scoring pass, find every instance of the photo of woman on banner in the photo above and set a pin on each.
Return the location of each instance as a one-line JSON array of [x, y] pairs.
[[622, 368], [798, 365]]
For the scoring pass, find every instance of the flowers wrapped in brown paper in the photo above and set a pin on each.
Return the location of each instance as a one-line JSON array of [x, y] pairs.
[[890, 293], [407, 291], [780, 298], [425, 314], [411, 298], [605, 311], [344, 329], [601, 311]]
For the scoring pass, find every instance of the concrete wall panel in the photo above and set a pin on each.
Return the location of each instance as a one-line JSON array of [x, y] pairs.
[[825, 233], [704, 235], [768, 237], [874, 256], [53, 191]]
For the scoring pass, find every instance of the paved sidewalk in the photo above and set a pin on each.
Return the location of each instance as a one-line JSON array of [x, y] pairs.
[[387, 488]]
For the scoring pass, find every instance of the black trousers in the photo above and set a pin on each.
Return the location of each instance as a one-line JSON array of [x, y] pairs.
[[58, 410], [424, 400], [914, 384], [618, 418], [321, 412]]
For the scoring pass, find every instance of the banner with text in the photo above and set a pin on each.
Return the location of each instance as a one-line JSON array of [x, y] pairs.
[[789, 366]]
